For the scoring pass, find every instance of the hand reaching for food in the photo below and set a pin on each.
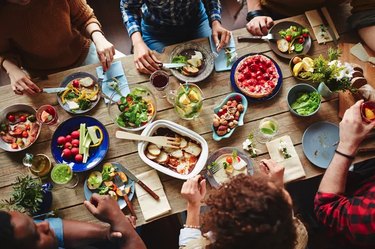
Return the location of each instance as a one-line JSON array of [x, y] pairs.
[[220, 35], [145, 59], [105, 50], [194, 190], [20, 80], [259, 25], [274, 170]]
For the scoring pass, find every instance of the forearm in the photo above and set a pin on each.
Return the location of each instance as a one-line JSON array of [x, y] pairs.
[[193, 213], [136, 38], [213, 9], [130, 238], [8, 65], [334, 179], [368, 36], [253, 5], [94, 31], [130, 12]]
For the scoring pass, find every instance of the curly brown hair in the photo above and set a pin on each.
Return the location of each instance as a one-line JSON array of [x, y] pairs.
[[249, 211]]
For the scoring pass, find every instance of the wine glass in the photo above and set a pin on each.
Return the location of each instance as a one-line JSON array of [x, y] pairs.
[[160, 80]]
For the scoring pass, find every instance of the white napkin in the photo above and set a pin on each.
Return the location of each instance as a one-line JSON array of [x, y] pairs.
[[293, 166], [150, 207]]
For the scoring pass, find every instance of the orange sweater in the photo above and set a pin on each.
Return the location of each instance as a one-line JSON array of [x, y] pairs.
[[45, 36]]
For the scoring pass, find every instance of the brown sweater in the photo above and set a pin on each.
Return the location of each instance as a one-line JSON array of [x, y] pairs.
[[297, 7], [45, 36]]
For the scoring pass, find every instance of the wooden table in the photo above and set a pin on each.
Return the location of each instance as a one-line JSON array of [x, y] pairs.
[[69, 201]]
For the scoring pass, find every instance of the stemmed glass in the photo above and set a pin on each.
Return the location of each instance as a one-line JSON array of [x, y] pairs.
[[63, 174]]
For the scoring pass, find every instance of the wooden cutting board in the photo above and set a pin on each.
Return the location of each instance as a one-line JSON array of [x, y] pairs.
[[346, 99]]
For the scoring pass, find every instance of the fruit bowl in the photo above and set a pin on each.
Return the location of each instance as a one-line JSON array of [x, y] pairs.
[[17, 130], [134, 110], [299, 64]]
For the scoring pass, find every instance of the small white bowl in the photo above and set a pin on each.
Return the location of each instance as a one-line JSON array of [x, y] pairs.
[[151, 128]]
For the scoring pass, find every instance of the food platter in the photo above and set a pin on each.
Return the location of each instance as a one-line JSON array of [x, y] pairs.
[[78, 99], [283, 26], [236, 88], [221, 176], [129, 184], [205, 69], [18, 130], [319, 142], [96, 154]]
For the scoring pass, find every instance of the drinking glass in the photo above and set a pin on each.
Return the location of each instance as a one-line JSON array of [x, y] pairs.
[[267, 129], [187, 100], [47, 114], [39, 165], [63, 174], [160, 81]]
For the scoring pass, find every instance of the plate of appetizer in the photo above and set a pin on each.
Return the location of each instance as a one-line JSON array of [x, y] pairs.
[[81, 142], [133, 111], [81, 95], [292, 39], [19, 128], [183, 162], [319, 142], [228, 115], [102, 182], [257, 76], [199, 62], [226, 163]]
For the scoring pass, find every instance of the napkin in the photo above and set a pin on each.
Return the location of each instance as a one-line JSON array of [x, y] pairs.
[[150, 207], [115, 71], [316, 21], [221, 58], [293, 166]]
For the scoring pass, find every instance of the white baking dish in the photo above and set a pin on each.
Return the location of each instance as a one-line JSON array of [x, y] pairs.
[[151, 128]]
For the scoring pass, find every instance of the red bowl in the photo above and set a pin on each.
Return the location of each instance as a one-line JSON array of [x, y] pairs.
[[368, 111]]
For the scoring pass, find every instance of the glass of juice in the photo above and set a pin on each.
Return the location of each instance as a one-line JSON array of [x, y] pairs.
[[368, 111], [39, 165], [187, 100], [267, 129], [62, 174], [160, 81], [47, 114]]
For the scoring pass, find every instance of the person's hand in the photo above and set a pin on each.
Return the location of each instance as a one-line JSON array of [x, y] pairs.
[[353, 129], [259, 25], [20, 82], [194, 191], [105, 50], [274, 170], [144, 59], [220, 35]]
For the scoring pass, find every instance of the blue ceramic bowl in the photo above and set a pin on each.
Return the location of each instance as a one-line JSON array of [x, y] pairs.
[[295, 92], [96, 155], [215, 136]]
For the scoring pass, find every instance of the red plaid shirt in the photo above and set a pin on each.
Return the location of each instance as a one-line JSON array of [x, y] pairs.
[[352, 216]]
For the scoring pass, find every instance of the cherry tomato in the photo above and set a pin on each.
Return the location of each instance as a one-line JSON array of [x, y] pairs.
[[78, 158], [11, 118], [74, 151], [75, 134], [68, 145], [301, 40], [27, 127], [25, 134], [288, 38], [14, 146], [66, 153], [68, 138], [61, 140], [23, 118], [76, 83], [75, 143], [229, 159], [305, 35]]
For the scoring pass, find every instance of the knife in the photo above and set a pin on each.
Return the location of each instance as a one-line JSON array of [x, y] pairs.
[[144, 186], [172, 65], [54, 89], [120, 184], [326, 24], [268, 37]]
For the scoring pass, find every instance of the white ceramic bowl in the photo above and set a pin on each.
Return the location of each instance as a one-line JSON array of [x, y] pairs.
[[151, 128]]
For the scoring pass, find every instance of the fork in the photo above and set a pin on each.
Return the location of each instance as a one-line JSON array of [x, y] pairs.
[[268, 37], [213, 169], [164, 141], [121, 185]]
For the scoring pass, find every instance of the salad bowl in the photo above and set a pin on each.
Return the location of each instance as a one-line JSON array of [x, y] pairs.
[[303, 100]]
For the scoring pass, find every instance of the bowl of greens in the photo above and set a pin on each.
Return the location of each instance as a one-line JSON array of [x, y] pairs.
[[303, 100], [134, 110]]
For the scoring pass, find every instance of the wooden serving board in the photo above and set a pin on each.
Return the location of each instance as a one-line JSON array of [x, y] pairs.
[[346, 99]]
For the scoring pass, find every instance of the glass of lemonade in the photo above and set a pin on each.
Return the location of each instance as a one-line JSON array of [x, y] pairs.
[[267, 129], [187, 100], [39, 165], [63, 174]]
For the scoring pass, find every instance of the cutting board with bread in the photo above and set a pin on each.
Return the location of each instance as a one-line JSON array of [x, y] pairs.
[[363, 78]]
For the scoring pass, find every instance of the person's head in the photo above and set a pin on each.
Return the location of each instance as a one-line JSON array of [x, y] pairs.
[[19, 231], [250, 212]]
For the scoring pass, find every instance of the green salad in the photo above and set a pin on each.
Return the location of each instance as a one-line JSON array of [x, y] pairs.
[[306, 103]]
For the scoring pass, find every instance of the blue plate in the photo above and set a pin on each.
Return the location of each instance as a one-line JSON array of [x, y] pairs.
[[97, 154], [319, 142], [254, 100], [121, 202], [215, 136]]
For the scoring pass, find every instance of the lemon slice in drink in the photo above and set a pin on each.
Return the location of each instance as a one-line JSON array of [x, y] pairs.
[[268, 127]]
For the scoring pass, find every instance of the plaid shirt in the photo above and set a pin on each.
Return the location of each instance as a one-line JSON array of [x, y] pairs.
[[165, 12], [352, 216]]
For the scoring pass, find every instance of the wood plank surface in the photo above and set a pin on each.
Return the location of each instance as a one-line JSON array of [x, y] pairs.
[[69, 201]]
